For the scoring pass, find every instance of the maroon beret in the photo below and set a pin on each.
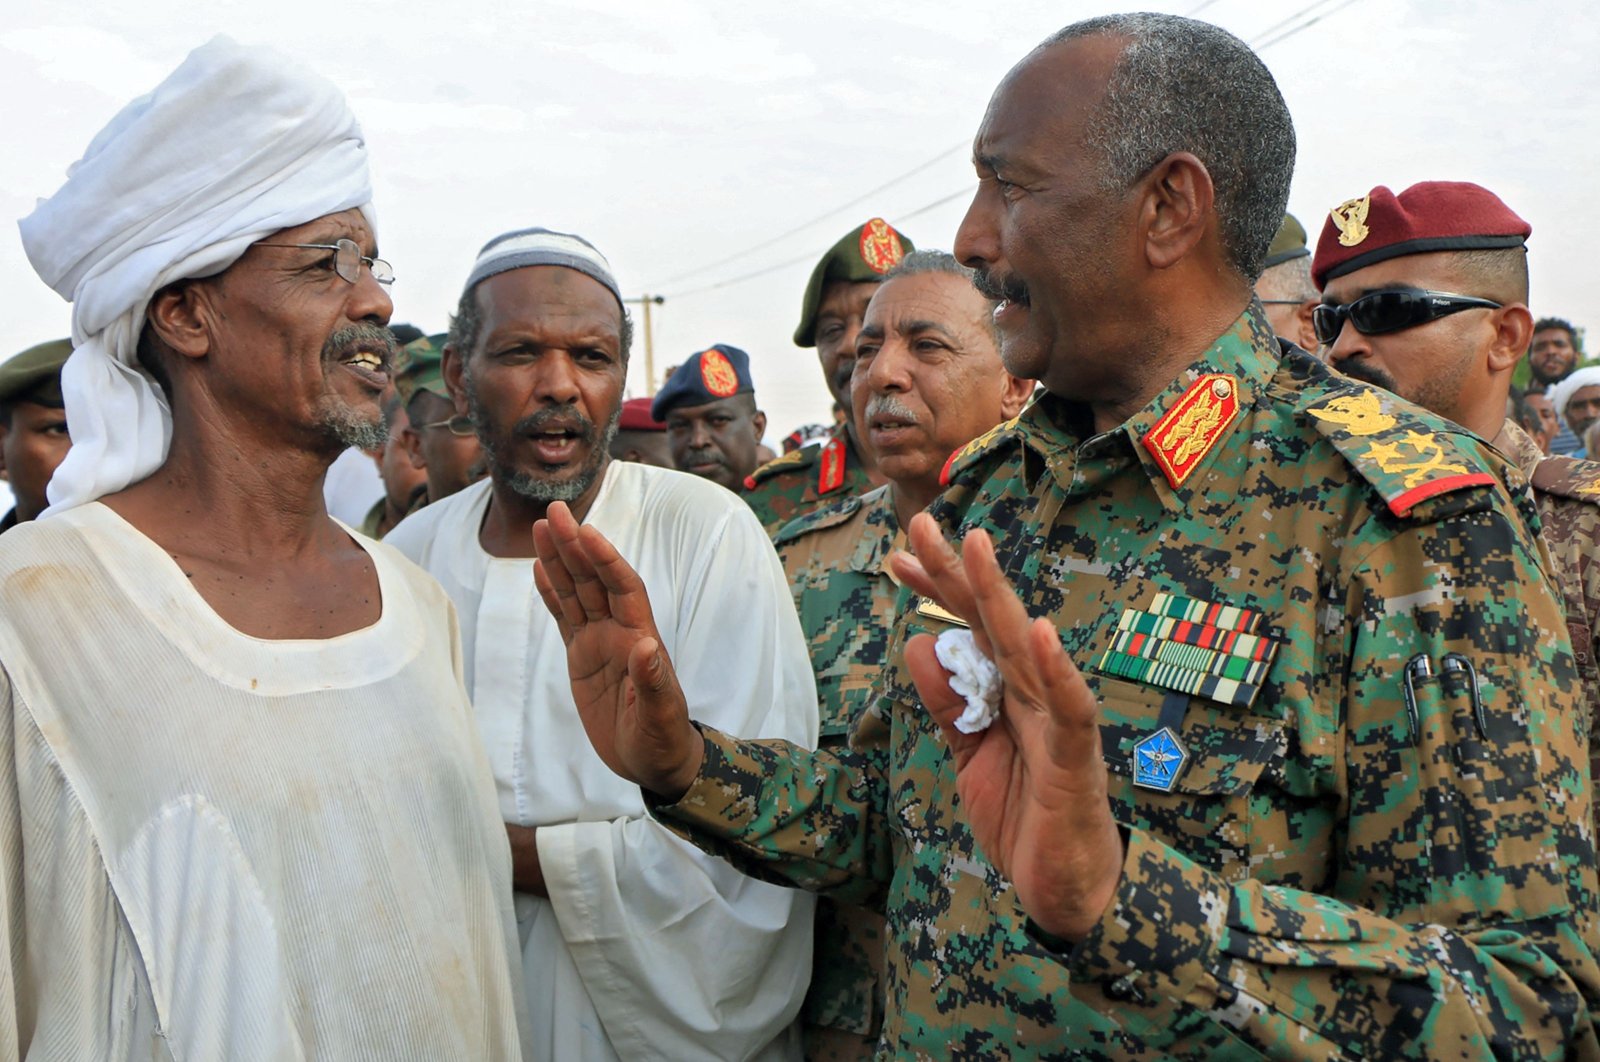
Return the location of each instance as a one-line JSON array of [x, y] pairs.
[[636, 416], [1431, 216]]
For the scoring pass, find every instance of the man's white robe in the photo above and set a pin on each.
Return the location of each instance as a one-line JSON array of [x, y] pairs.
[[214, 846], [647, 948]]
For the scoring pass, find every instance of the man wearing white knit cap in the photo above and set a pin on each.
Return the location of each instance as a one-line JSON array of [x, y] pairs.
[[634, 944], [1577, 402], [243, 810]]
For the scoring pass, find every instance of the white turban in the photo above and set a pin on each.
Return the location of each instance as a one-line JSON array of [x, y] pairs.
[[238, 143], [1560, 394]]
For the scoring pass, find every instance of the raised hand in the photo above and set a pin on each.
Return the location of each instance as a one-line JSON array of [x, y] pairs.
[[625, 687], [1033, 785]]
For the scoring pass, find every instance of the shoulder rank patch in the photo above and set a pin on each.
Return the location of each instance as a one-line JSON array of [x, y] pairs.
[[791, 461], [966, 454], [1188, 431], [819, 519], [1568, 477], [1402, 457], [831, 475]]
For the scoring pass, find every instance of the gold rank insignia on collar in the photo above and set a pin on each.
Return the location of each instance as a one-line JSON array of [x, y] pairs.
[[1186, 433]]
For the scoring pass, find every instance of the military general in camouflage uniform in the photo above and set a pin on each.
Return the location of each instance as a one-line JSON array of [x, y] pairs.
[[1317, 791], [830, 316], [927, 380], [1429, 299]]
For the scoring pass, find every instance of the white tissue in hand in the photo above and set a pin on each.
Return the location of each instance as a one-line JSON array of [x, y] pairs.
[[972, 675]]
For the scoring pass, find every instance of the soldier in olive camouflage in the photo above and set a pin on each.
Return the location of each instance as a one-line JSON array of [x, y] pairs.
[[836, 559], [1364, 857], [803, 479], [1567, 493]]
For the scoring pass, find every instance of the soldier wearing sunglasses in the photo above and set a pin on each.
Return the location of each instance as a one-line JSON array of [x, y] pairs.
[[1427, 296]]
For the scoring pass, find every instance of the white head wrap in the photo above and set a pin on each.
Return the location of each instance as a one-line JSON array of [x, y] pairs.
[[238, 143], [1560, 394]]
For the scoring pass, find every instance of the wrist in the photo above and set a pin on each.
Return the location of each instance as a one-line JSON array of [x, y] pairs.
[[670, 788]]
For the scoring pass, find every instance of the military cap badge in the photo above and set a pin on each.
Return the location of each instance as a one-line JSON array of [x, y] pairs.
[[1350, 217], [717, 373], [880, 246]]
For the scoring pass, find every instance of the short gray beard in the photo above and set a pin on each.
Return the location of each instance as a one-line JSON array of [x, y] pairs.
[[528, 485], [347, 427]]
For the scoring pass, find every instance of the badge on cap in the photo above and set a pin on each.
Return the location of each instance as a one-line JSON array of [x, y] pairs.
[[1181, 439], [880, 246], [1350, 218], [716, 372]]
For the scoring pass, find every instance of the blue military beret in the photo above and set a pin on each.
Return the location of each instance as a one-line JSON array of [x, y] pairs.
[[713, 374]]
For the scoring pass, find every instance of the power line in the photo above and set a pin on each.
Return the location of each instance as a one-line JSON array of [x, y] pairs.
[[1306, 24], [1289, 27], [841, 208], [812, 255]]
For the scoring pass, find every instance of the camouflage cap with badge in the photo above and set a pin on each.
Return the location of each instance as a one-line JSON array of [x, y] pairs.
[[865, 253], [718, 372], [35, 374], [419, 366]]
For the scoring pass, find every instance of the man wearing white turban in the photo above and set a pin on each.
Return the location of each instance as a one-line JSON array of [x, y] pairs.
[[243, 810], [1577, 402]]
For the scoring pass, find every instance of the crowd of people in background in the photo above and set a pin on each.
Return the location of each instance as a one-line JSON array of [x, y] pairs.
[[1183, 638]]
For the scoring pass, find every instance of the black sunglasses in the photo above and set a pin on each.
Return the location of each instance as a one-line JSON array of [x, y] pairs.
[[1391, 311]]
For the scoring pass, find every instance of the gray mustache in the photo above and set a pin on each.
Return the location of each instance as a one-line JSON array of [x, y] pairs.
[[889, 406]]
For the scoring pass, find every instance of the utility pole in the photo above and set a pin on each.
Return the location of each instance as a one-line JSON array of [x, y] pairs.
[[649, 339]]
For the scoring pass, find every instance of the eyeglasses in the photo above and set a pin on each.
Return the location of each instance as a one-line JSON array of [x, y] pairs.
[[347, 259], [1391, 311], [457, 425], [1281, 302]]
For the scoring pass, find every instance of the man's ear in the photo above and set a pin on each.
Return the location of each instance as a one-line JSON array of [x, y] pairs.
[[1513, 324], [180, 316], [453, 370], [1178, 207], [1302, 320], [1014, 394], [5, 433], [411, 442], [759, 421]]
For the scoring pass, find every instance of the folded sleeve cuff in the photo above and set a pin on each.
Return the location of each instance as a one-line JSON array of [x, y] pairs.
[[1158, 943]]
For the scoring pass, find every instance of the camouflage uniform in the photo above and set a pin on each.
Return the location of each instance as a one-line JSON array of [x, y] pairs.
[[1337, 871], [1567, 493], [803, 479], [836, 559]]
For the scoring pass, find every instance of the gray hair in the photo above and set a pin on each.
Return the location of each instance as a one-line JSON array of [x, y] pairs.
[[920, 263], [467, 321], [1288, 280], [1183, 85]]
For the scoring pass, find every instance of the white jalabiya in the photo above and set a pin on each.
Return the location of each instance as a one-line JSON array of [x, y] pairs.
[[220, 847], [647, 948], [236, 144]]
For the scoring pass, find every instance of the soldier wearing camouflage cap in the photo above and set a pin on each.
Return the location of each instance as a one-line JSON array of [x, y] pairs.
[[1285, 287], [836, 297], [437, 441], [33, 426], [1427, 296], [1266, 743]]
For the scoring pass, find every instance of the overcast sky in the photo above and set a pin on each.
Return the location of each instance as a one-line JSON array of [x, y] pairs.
[[689, 141]]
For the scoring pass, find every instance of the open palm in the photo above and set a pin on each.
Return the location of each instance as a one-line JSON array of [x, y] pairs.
[[1033, 786], [624, 685]]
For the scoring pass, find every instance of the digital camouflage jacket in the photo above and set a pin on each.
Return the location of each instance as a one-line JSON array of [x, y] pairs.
[[1339, 708], [802, 480], [836, 558]]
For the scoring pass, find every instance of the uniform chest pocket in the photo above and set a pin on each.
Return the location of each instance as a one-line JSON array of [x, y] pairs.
[[1232, 761]]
